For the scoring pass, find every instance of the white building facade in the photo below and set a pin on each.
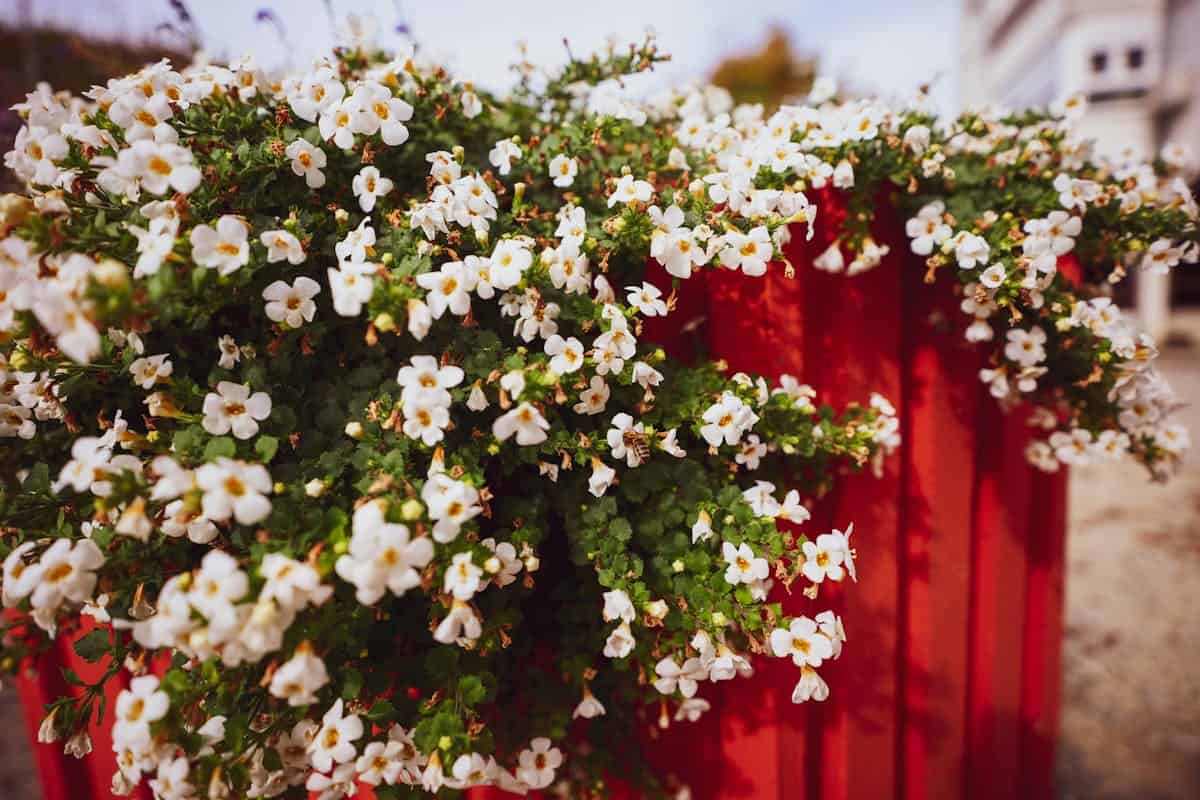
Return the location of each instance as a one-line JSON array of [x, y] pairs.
[[1137, 61]]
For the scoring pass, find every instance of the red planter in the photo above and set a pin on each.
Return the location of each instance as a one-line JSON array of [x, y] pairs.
[[949, 687]]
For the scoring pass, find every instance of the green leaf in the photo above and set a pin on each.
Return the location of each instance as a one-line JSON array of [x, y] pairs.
[[93, 646], [220, 447], [352, 684], [265, 448]]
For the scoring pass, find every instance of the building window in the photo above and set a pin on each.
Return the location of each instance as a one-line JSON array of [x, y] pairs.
[[1099, 61], [1135, 57]]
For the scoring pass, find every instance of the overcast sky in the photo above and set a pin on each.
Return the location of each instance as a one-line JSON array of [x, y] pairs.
[[881, 46]]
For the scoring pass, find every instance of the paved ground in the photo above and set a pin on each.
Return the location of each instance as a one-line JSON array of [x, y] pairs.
[[1131, 693], [1131, 716]]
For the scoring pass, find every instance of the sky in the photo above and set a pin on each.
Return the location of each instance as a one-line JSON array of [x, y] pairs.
[[884, 47]]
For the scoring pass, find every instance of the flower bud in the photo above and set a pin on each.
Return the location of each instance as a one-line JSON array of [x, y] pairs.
[[491, 566], [657, 608], [315, 487], [411, 509], [354, 430], [111, 274]]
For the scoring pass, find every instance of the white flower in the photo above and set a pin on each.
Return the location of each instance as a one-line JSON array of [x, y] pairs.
[[233, 408], [298, 679], [170, 780], [423, 377], [602, 477], [65, 571], [461, 624], [810, 687], [692, 709], [150, 370], [218, 584], [1075, 193], [647, 300], [538, 764], [334, 742], [138, 706], [162, 167], [563, 170], [471, 105], [223, 248], [748, 251], [617, 606], [971, 251], [1072, 448], [727, 420], [761, 499], [155, 244], [291, 584], [15, 421], [629, 190], [702, 528], [593, 399], [620, 642], [627, 440], [503, 154], [589, 707], [292, 305], [451, 503], [566, 354], [993, 276], [235, 489], [843, 175], [307, 161], [824, 557], [743, 567], [352, 285], [753, 449], [1160, 257], [525, 421], [368, 185], [509, 261], [672, 676], [449, 288], [382, 556], [282, 245], [379, 111], [803, 642], [928, 228], [229, 350], [462, 577], [1026, 346]]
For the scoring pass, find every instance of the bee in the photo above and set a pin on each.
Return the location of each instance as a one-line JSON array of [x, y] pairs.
[[637, 443]]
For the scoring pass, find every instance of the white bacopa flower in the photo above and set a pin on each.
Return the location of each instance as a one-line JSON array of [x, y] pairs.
[[307, 162], [1026, 347], [563, 170], [223, 248], [235, 489], [928, 228], [150, 370], [628, 190], [744, 566], [334, 742], [233, 408], [503, 154], [566, 354], [292, 305], [647, 299], [525, 421], [810, 687], [803, 642], [618, 606], [824, 557], [602, 477], [471, 105], [749, 252], [218, 584], [380, 112], [138, 706], [290, 583], [627, 440], [538, 764], [382, 556], [971, 251], [726, 420], [509, 261], [449, 289], [589, 707], [672, 676], [299, 678], [162, 167], [462, 577], [368, 185], [620, 642], [351, 285], [993, 276], [282, 245], [451, 503], [751, 453], [460, 625]]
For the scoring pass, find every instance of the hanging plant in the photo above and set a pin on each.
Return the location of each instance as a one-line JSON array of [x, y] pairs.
[[331, 395]]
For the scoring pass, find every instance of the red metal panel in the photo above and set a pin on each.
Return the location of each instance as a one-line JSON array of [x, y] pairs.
[[1004, 482], [939, 422]]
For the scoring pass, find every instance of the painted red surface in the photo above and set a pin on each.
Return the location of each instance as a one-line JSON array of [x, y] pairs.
[[949, 686]]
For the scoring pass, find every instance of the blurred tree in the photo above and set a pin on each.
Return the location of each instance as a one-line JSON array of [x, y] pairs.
[[770, 76]]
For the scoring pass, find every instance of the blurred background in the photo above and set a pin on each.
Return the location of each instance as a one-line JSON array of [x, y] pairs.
[[1131, 715]]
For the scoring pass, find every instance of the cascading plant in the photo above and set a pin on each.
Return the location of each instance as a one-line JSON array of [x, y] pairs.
[[329, 398]]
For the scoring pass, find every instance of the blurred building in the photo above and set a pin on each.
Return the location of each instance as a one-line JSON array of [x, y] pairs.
[[1137, 61]]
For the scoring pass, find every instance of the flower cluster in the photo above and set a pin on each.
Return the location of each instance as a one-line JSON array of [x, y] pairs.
[[338, 386]]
